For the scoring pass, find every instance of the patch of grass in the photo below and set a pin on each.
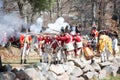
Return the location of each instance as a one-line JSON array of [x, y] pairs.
[[112, 78], [15, 62]]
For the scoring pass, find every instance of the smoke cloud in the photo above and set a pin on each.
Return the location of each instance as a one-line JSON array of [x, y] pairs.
[[37, 27], [56, 27], [9, 24]]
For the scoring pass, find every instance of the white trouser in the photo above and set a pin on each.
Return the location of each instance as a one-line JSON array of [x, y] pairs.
[[79, 44], [39, 50], [24, 52], [45, 57], [105, 55], [70, 55], [59, 55], [78, 52], [63, 54], [54, 56], [69, 46]]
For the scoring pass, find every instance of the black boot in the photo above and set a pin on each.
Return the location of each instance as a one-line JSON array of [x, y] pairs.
[[25, 61], [40, 60], [21, 61], [92, 61], [59, 62]]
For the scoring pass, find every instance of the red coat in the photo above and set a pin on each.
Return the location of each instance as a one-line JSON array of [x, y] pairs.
[[95, 32], [55, 42], [29, 38], [61, 42], [67, 38], [41, 38], [47, 40], [78, 38], [23, 38], [54, 45]]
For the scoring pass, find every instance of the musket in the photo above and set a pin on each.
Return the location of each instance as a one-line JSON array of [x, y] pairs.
[[54, 30], [32, 33]]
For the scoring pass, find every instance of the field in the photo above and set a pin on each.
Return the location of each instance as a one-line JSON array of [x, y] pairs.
[[12, 56]]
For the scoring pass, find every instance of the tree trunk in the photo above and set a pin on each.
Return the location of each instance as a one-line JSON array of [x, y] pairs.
[[93, 10], [101, 15], [59, 8], [50, 11], [20, 5], [115, 11]]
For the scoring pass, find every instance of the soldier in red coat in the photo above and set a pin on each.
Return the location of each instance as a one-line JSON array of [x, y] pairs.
[[22, 36], [78, 44], [40, 41], [94, 38], [56, 46], [25, 41], [68, 44], [47, 49], [63, 49], [38, 45], [95, 32]]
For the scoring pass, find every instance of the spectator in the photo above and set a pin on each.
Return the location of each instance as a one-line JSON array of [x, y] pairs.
[[115, 44]]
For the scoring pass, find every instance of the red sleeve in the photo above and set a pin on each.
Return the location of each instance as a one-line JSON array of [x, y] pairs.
[[30, 38], [57, 38], [47, 40], [63, 38], [74, 38], [21, 38], [96, 34], [40, 38]]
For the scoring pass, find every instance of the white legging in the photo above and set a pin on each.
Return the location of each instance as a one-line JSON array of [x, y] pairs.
[[105, 55], [24, 52]]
